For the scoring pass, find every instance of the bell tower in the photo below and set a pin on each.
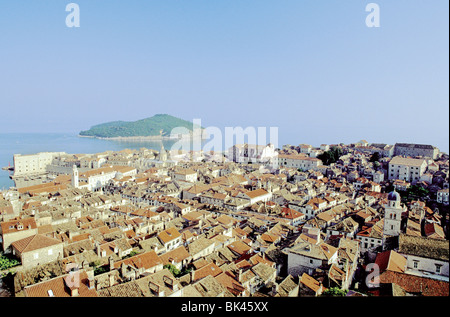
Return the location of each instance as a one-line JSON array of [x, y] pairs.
[[392, 215], [75, 176]]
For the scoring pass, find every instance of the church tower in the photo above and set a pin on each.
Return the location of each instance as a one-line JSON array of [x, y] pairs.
[[162, 154], [392, 215], [75, 176]]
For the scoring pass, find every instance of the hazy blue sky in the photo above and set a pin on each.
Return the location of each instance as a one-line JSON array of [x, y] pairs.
[[312, 68]]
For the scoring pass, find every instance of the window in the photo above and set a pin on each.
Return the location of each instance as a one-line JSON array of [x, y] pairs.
[[438, 268], [416, 264], [311, 261], [50, 252], [36, 255]]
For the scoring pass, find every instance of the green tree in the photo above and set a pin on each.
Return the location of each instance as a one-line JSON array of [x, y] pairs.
[[172, 268], [330, 156], [335, 291], [101, 269], [375, 157], [416, 192], [7, 262]]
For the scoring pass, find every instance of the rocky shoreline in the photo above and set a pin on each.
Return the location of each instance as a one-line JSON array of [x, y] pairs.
[[137, 138]]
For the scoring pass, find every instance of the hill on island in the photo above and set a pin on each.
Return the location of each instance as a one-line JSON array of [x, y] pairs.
[[158, 125]]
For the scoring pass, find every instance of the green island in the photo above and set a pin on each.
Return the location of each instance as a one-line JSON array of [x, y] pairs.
[[158, 126]]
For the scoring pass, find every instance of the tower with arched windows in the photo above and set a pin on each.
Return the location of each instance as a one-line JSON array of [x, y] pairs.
[[392, 215]]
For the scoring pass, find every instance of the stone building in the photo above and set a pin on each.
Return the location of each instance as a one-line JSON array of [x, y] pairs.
[[16, 229], [407, 149], [37, 250], [407, 169]]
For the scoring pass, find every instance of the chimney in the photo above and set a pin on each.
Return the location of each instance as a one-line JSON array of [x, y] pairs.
[[275, 288], [71, 282], [111, 263], [112, 279], [240, 275], [91, 281], [123, 269], [192, 275], [74, 292], [168, 282]]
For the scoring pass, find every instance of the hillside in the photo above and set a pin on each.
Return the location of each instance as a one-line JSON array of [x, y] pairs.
[[158, 125]]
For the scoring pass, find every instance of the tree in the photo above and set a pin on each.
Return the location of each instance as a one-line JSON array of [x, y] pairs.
[[416, 192], [7, 262], [330, 156], [172, 268], [375, 157], [335, 291]]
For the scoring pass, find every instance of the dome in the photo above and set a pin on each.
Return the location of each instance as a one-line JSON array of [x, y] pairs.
[[394, 196]]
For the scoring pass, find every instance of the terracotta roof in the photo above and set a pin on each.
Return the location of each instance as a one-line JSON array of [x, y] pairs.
[[226, 220], [255, 259], [145, 260], [392, 261], [58, 287], [239, 247], [228, 280], [310, 282], [97, 171], [210, 269], [177, 255], [291, 213], [256, 193], [168, 235], [42, 188], [270, 238], [12, 225], [433, 230], [34, 242], [416, 284]]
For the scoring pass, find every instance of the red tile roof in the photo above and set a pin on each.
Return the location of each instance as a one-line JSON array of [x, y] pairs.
[[416, 284], [59, 288], [34, 242]]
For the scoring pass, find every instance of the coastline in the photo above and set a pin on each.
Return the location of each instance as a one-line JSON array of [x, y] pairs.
[[145, 138], [138, 138]]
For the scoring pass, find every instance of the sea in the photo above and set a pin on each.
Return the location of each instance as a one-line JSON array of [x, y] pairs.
[[32, 143]]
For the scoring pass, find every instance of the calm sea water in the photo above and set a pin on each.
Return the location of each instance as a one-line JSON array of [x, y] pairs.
[[24, 143]]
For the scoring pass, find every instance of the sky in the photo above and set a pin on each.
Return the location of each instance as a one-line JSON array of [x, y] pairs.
[[311, 68]]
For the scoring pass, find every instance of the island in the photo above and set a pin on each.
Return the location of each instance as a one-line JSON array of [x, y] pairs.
[[158, 127]]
